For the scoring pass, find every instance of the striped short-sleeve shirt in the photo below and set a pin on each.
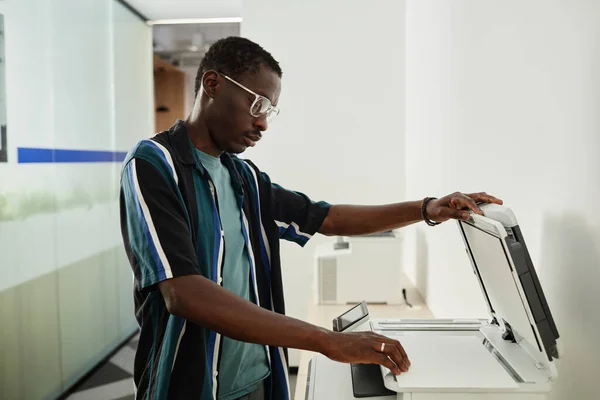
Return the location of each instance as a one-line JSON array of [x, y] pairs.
[[171, 227]]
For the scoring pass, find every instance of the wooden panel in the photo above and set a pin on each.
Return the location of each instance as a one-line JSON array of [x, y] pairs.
[[169, 92]]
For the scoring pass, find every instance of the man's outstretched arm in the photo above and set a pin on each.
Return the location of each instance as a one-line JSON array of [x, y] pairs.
[[349, 220], [205, 303]]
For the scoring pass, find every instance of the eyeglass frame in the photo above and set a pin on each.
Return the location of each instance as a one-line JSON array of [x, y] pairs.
[[270, 110]]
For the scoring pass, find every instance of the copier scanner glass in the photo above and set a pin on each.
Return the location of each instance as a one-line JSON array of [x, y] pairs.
[[509, 281], [498, 280]]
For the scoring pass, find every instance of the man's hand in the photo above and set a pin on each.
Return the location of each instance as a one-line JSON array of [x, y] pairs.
[[457, 206], [366, 348]]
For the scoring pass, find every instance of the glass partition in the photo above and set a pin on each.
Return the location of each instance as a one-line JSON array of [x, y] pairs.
[[78, 95]]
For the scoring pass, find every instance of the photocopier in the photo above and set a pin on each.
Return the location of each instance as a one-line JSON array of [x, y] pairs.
[[508, 356]]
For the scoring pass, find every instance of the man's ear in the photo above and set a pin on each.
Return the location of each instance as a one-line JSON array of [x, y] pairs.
[[210, 83]]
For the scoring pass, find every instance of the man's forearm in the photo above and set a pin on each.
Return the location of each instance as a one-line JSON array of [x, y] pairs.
[[348, 220], [201, 301]]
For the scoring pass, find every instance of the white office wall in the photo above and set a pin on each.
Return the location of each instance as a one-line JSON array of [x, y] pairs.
[[340, 133], [504, 97]]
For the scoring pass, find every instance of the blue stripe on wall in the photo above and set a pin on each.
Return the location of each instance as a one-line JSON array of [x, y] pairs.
[[28, 155]]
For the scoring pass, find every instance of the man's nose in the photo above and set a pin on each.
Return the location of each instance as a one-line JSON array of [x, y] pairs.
[[261, 123]]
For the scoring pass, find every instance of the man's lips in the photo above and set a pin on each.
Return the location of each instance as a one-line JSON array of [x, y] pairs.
[[251, 140]]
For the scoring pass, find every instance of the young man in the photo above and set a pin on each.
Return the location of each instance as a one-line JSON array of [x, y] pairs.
[[201, 229]]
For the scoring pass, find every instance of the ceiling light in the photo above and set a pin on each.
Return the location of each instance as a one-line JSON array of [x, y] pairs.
[[225, 20]]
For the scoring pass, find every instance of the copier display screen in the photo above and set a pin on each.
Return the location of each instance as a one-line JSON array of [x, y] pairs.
[[353, 315]]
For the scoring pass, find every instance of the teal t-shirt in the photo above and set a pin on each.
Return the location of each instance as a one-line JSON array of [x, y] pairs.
[[243, 365]]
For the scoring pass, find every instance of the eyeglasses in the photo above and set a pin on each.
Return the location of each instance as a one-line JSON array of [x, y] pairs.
[[261, 105]]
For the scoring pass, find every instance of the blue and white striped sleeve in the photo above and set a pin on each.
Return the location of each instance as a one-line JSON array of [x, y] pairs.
[[296, 215], [154, 223]]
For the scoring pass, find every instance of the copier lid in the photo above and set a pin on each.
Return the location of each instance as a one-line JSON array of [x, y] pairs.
[[508, 279]]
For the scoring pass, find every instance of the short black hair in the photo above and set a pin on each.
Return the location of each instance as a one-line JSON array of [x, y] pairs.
[[235, 56]]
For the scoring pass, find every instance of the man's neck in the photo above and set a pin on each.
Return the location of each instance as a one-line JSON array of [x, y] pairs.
[[200, 136]]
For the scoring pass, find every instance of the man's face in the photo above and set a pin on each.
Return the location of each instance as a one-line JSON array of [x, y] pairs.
[[231, 125]]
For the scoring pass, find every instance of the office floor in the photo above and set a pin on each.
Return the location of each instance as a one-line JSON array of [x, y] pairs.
[[113, 380]]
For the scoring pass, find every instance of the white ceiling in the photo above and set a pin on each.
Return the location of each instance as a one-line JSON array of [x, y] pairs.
[[186, 9]]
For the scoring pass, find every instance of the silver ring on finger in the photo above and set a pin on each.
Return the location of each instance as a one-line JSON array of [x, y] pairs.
[[382, 347]]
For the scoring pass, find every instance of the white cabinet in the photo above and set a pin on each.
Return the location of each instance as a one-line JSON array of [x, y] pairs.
[[360, 268]]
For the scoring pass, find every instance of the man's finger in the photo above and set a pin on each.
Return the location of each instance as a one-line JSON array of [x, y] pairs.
[[400, 349], [392, 351], [455, 213], [462, 201], [404, 356], [388, 348], [485, 198], [384, 360]]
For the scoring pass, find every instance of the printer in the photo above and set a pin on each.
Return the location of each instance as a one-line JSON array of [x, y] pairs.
[[509, 356]]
